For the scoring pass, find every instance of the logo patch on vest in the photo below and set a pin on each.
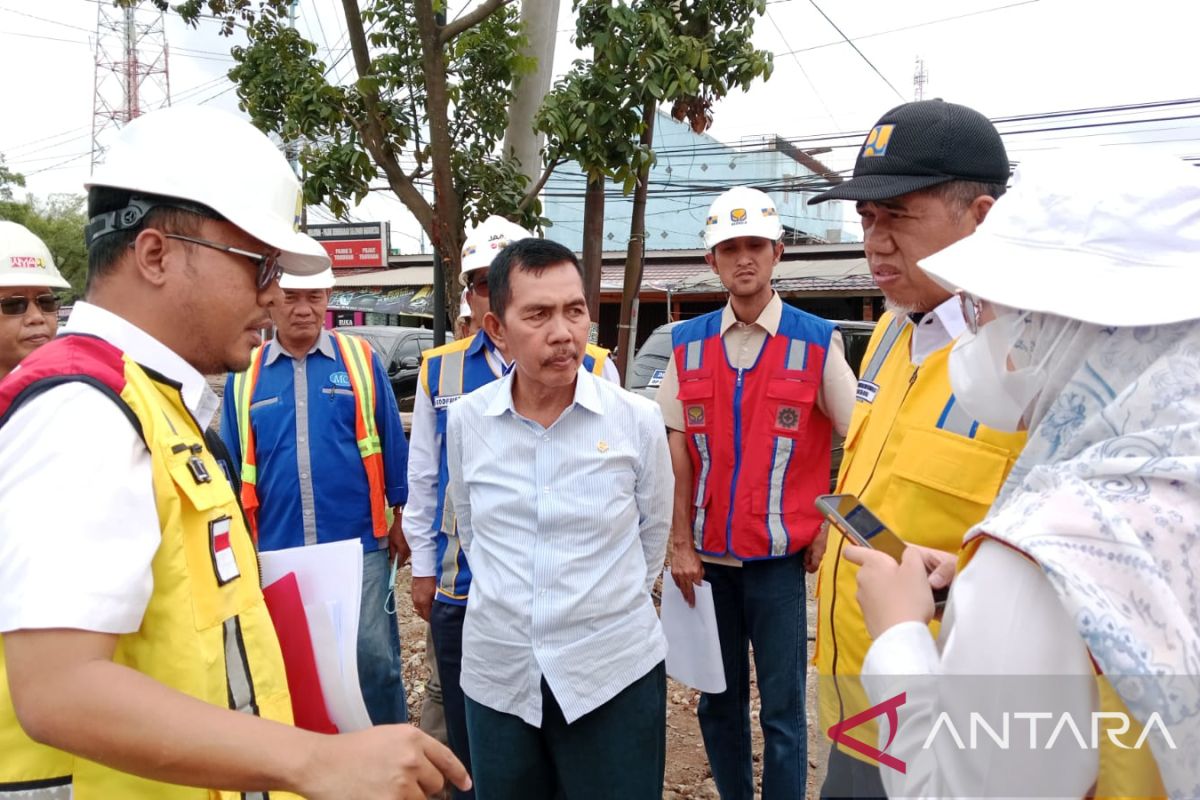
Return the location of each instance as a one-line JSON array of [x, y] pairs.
[[695, 415], [224, 563], [787, 418], [866, 392], [341, 379], [441, 401]]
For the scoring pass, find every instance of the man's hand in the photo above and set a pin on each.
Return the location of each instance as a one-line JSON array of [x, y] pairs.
[[940, 565], [686, 570], [397, 545], [816, 550], [422, 596], [397, 762]]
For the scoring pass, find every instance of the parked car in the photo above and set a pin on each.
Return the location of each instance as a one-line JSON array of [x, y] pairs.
[[650, 364], [400, 350]]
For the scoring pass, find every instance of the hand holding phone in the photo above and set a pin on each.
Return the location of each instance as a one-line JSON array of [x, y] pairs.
[[858, 524]]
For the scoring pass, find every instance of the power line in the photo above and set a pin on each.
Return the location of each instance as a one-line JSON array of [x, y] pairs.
[[860, 52]]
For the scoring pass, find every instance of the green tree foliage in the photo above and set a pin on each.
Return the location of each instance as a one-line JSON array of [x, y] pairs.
[[59, 222], [672, 53], [9, 180]]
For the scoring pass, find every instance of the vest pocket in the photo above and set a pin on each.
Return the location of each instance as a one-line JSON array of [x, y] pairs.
[[790, 403], [696, 397]]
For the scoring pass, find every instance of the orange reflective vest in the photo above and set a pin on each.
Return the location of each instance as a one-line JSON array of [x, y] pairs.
[[356, 354]]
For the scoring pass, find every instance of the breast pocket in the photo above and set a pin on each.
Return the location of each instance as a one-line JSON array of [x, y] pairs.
[[789, 405], [696, 397], [946, 480], [221, 563]]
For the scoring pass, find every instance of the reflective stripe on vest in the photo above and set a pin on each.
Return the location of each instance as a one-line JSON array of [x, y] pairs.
[[356, 355], [885, 346]]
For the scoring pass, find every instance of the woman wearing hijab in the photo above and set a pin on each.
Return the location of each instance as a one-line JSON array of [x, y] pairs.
[[1084, 578]]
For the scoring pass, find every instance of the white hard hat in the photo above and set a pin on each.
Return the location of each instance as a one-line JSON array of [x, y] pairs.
[[218, 160], [491, 236], [1100, 238], [321, 280], [741, 211], [25, 260], [464, 308]]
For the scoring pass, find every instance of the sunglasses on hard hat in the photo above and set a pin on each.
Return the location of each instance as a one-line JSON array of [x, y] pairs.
[[18, 305], [267, 265], [477, 284]]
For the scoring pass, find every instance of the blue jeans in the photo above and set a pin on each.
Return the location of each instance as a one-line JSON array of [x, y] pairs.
[[446, 623], [379, 645], [614, 752], [763, 603]]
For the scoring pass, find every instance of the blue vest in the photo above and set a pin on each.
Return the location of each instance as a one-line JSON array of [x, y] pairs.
[[452, 371]]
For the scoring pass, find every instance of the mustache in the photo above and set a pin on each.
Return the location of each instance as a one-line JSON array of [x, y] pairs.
[[562, 352]]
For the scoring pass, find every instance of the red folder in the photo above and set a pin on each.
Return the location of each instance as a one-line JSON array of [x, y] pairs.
[[291, 626]]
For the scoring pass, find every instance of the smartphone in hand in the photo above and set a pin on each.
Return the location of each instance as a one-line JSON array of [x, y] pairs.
[[858, 524]]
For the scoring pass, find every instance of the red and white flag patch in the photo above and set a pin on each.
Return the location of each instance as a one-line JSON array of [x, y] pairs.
[[224, 562]]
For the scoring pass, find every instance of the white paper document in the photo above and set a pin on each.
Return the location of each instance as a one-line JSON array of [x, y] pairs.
[[693, 646], [330, 581]]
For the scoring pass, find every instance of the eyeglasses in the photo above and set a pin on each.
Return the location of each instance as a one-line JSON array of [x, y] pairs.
[[478, 285], [268, 267], [17, 305], [972, 310]]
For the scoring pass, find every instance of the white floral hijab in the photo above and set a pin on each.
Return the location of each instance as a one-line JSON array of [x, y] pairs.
[[1106, 498]]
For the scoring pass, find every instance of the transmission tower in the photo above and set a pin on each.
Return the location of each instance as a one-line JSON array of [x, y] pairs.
[[131, 69], [920, 78]]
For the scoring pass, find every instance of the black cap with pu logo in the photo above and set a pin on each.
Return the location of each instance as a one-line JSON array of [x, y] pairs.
[[918, 145]]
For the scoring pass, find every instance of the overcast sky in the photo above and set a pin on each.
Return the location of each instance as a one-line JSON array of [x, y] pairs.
[[1002, 57]]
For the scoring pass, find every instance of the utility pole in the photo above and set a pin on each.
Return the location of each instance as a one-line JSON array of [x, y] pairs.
[[439, 268], [131, 75], [920, 78], [539, 22]]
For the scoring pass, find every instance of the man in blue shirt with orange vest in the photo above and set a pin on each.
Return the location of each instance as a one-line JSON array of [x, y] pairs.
[[750, 397], [314, 425]]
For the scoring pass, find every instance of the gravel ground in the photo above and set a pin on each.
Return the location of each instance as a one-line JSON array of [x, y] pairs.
[[687, 776]]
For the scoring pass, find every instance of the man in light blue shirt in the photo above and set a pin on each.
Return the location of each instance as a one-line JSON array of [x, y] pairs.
[[562, 484], [295, 414]]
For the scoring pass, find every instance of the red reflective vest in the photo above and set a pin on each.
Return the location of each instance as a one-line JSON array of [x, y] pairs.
[[760, 446]]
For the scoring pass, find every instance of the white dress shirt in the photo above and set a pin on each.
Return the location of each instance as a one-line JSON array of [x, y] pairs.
[[78, 520], [566, 528], [423, 454], [1028, 634], [937, 329]]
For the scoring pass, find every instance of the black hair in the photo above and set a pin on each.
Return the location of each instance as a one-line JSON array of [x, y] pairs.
[[529, 255], [164, 213]]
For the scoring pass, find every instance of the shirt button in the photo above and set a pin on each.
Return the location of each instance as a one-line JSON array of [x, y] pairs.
[[308, 512], [304, 476], [546, 489], [541, 592], [545, 438]]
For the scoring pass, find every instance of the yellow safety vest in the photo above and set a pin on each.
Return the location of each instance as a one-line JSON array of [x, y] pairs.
[[926, 469], [206, 631]]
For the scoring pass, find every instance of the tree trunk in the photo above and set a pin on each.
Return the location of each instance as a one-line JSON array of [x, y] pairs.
[[593, 244], [447, 228], [539, 19], [626, 336]]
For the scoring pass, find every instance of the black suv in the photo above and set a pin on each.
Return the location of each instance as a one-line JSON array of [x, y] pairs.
[[400, 350], [651, 362]]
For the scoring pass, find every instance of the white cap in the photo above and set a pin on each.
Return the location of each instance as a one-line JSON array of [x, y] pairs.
[[218, 160], [482, 244], [464, 308], [741, 211], [1105, 239], [321, 280], [25, 260]]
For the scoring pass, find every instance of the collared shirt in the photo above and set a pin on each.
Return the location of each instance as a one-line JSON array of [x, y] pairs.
[[423, 455], [743, 342], [311, 484], [937, 329], [566, 528], [78, 519]]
